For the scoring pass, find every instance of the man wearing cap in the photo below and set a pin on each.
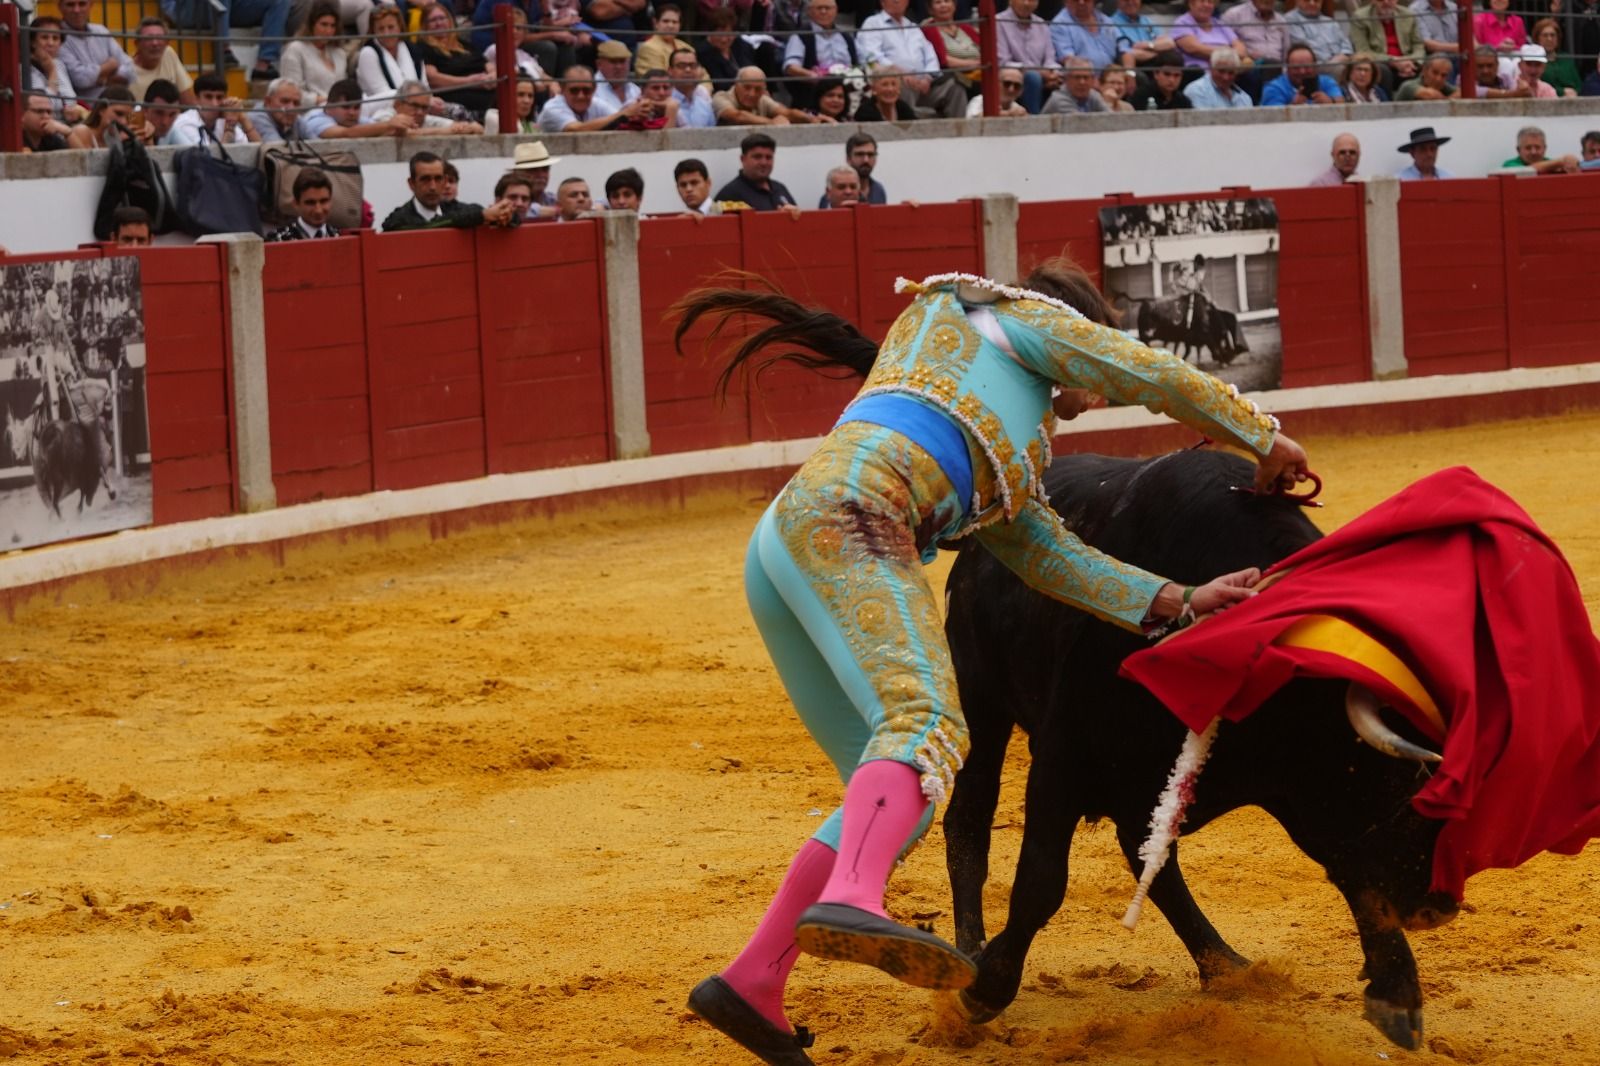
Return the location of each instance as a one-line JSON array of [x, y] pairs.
[[612, 88], [1530, 153], [1431, 83], [1164, 93], [533, 160], [1423, 148], [1531, 60], [1346, 155]]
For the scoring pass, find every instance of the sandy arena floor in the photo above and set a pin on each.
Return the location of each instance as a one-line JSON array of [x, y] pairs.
[[506, 798]]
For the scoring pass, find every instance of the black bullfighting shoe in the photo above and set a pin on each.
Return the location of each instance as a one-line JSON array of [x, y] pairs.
[[716, 1001], [915, 956]]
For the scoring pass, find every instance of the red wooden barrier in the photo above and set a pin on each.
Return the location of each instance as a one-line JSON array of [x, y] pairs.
[[317, 370], [913, 242], [188, 381], [1060, 227], [1453, 274], [424, 374], [1552, 248], [1322, 285], [543, 342], [676, 255]]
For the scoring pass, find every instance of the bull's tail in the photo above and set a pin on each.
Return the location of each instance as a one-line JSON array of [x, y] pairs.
[[822, 341]]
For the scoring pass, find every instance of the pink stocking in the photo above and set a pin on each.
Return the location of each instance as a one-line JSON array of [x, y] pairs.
[[762, 968], [882, 807]]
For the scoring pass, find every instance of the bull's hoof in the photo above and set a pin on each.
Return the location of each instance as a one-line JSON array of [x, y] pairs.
[[977, 1013], [1402, 1025]]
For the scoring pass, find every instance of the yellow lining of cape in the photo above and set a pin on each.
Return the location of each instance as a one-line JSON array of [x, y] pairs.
[[1335, 636]]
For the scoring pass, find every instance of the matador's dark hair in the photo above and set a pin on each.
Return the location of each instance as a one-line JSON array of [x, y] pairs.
[[823, 341]]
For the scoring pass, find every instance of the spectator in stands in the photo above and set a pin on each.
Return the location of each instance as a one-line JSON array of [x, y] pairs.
[[218, 116], [1346, 156], [113, 107], [1217, 89], [413, 104], [130, 227], [1389, 32], [612, 16], [817, 54], [456, 75], [278, 116], [1431, 83], [861, 155], [1197, 34], [724, 53], [1138, 40], [625, 190], [1423, 148], [1591, 150], [154, 58], [1265, 36], [747, 104], [1531, 62], [1327, 38], [385, 60], [883, 100], [694, 98], [1560, 73], [161, 110], [527, 65], [694, 187], [314, 60], [1165, 91], [955, 43], [47, 73], [1011, 86], [313, 203], [1080, 96], [526, 95], [1499, 28], [655, 51], [93, 58], [754, 187], [889, 39], [428, 208], [1300, 83], [340, 117], [843, 188], [1077, 30], [662, 100], [1362, 84], [560, 35], [1023, 40], [576, 110], [1438, 22], [1113, 86], [41, 130], [612, 88], [1493, 83], [533, 160], [572, 200], [452, 183], [515, 189], [1531, 153]]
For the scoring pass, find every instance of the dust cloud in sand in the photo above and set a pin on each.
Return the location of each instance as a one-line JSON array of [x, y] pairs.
[[506, 797]]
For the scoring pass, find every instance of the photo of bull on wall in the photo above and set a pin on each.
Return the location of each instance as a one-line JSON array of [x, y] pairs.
[[75, 446], [1199, 278]]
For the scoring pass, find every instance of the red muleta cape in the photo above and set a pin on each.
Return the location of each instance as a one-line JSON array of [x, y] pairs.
[[1455, 579]]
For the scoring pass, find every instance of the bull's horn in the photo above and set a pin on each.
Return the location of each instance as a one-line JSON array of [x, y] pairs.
[[1361, 706]]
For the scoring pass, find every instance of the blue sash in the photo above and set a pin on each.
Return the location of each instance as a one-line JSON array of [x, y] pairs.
[[931, 429]]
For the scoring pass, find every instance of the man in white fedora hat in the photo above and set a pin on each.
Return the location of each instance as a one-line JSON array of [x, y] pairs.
[[533, 160], [1531, 60]]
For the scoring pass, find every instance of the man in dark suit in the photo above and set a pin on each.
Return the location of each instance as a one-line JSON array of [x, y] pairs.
[[428, 209], [313, 202]]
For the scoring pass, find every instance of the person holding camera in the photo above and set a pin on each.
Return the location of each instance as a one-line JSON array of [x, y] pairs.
[[1300, 83]]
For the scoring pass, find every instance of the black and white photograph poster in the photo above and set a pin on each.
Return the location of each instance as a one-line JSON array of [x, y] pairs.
[[1199, 278], [75, 451]]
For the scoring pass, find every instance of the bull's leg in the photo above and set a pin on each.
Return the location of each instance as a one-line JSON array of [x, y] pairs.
[[1211, 954], [1051, 815], [1393, 994], [969, 818]]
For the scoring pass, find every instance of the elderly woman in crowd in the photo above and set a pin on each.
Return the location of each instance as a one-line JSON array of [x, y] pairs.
[[1114, 87], [955, 43], [883, 103], [314, 60], [724, 53], [1560, 73], [1363, 87]]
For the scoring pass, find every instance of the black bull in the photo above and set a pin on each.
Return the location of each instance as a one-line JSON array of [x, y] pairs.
[[1170, 320], [1102, 747]]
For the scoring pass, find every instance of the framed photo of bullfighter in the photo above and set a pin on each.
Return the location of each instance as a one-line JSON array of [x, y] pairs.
[[75, 447], [1199, 278]]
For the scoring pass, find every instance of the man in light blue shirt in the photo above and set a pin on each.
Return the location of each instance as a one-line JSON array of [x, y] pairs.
[[1300, 83], [576, 110], [694, 99], [1217, 90], [1078, 31], [1327, 38], [1136, 34], [1423, 148], [1438, 24]]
